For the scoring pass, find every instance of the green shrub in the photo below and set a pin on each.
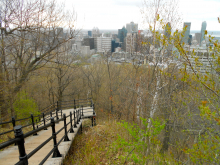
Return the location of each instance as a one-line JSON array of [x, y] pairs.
[[24, 106]]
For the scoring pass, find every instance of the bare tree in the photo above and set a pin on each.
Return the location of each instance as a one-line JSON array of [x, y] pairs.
[[30, 38]]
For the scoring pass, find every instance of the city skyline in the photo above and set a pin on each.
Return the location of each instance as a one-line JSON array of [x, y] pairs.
[[114, 14]]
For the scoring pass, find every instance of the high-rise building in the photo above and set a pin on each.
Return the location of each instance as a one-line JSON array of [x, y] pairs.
[[114, 45], [131, 43], [187, 32], [90, 33], [114, 36], [88, 42], [132, 27], [122, 33], [203, 28], [103, 44], [190, 39], [95, 32], [198, 37]]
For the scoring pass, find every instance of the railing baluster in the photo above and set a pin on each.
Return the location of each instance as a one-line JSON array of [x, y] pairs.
[[77, 116], [82, 111], [66, 138], [74, 104], [57, 105], [61, 113], [56, 152], [22, 154], [32, 118], [75, 119], [13, 123], [57, 114], [71, 122], [44, 121], [93, 109], [79, 113]]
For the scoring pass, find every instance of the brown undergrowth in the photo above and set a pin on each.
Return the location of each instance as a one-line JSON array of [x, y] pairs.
[[94, 146]]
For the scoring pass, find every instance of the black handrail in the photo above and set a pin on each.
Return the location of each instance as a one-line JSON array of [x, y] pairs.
[[42, 119]]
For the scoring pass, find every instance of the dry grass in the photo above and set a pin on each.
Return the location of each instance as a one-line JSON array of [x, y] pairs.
[[94, 146]]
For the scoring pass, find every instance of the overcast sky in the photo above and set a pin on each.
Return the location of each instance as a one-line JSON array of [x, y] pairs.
[[114, 14]]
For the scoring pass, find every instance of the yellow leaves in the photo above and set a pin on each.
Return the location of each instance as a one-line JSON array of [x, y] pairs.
[[205, 78], [218, 120], [204, 103], [158, 17], [206, 32], [196, 59]]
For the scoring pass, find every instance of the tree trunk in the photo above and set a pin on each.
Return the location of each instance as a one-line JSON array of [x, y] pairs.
[[166, 139]]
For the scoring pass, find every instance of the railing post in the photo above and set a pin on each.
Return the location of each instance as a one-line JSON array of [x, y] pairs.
[[57, 105], [22, 154], [82, 111], [92, 121], [51, 114], [44, 121], [93, 109], [91, 103], [13, 123], [66, 138], [32, 118], [71, 123], [56, 152], [57, 114], [74, 104], [61, 113], [77, 116], [75, 119]]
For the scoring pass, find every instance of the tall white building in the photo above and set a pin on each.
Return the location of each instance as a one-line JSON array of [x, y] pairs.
[[203, 28], [198, 37], [132, 27], [95, 32], [103, 44], [131, 42]]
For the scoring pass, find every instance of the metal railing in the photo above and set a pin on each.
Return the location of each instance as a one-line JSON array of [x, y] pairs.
[[42, 122]]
